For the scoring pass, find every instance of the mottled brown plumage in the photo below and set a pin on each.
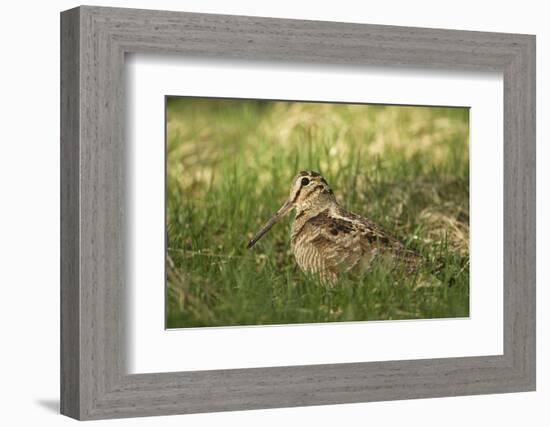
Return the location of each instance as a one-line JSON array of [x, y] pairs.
[[328, 240]]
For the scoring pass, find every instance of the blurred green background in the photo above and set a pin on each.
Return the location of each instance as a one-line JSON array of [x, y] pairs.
[[229, 168]]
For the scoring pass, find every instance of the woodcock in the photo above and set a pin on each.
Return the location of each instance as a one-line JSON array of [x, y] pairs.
[[327, 240]]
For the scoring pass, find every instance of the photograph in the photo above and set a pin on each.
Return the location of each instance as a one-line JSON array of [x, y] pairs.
[[294, 212]]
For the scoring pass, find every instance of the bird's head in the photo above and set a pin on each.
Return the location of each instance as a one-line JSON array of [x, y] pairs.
[[309, 191]]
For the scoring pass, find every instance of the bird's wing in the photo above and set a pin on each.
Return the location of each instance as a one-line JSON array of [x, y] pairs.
[[374, 241], [336, 241], [374, 236]]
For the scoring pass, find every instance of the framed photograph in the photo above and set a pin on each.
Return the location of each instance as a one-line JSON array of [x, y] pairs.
[[261, 213]]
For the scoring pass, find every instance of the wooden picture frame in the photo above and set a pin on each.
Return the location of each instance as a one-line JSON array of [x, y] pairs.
[[94, 382]]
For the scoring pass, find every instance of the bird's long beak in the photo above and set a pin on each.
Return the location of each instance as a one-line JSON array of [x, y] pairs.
[[267, 226]]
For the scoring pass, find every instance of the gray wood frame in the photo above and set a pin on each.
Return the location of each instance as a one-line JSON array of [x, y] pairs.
[[94, 382]]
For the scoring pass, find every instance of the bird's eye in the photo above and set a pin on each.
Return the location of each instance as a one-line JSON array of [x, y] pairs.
[[305, 181]]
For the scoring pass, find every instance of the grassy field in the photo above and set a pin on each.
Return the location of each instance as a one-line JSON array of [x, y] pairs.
[[229, 167]]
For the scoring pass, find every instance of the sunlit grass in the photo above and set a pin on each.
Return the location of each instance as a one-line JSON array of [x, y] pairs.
[[229, 167]]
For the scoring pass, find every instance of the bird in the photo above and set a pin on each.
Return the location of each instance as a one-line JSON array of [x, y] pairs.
[[329, 241]]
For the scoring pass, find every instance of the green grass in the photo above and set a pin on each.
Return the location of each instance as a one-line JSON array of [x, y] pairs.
[[229, 167]]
